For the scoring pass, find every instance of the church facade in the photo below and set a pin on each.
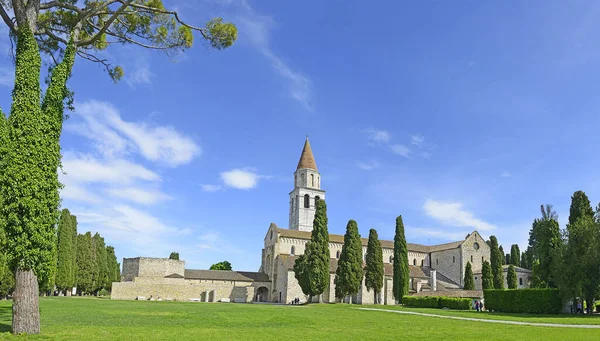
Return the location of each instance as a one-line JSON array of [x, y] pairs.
[[434, 269]]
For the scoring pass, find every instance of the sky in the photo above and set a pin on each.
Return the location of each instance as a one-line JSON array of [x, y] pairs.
[[459, 116]]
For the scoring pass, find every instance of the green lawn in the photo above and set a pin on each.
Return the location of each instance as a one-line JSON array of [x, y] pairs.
[[532, 318], [102, 319]]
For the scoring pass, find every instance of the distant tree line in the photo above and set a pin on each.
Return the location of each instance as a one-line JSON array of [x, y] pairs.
[[81, 260]]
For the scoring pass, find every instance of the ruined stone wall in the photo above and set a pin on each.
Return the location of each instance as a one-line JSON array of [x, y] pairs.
[[151, 267], [448, 263], [131, 267], [184, 290]]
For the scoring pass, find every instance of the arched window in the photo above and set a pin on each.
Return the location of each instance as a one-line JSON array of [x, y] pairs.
[[306, 201], [482, 260], [422, 262], [391, 258], [293, 251], [302, 179], [312, 180], [317, 198], [318, 182], [453, 259], [337, 254], [471, 258], [415, 261]]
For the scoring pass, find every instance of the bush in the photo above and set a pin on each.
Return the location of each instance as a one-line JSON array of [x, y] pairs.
[[538, 301], [598, 307], [437, 302]]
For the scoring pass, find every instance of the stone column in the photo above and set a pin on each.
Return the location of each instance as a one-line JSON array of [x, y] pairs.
[[433, 277], [206, 296]]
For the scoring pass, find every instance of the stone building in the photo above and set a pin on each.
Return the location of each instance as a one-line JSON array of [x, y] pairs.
[[433, 268]]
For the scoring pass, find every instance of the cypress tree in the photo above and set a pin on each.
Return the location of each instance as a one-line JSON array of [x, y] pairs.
[[65, 243], [85, 263], [73, 278], [374, 269], [511, 277], [496, 263], [101, 280], [503, 254], [536, 280], [469, 281], [515, 255], [317, 253], [487, 280], [401, 272], [524, 263], [349, 273], [113, 267], [580, 207], [507, 257]]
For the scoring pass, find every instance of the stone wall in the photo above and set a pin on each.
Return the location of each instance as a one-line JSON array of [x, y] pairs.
[[184, 290], [473, 255], [151, 267], [447, 263]]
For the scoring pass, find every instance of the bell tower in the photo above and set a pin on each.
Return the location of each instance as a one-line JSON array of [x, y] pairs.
[[307, 191]]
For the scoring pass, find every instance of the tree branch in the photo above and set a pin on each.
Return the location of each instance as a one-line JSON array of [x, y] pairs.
[[105, 27], [52, 4], [7, 19]]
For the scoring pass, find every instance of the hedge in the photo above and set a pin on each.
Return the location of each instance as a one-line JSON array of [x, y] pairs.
[[598, 307], [538, 301], [437, 302]]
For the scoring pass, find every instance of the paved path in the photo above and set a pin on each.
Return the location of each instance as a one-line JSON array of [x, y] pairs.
[[589, 326]]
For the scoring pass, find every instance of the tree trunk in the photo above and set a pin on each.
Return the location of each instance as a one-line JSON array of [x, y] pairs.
[[68, 292], [310, 297], [26, 310], [350, 299], [320, 298]]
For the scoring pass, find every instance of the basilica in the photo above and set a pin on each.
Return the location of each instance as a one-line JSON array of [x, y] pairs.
[[434, 269]]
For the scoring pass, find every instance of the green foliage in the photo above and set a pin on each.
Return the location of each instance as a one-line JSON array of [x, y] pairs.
[[487, 279], [7, 277], [502, 253], [545, 244], [469, 282], [65, 251], [524, 263], [538, 301], [114, 271], [496, 263], [221, 35], [515, 255], [536, 280], [507, 257], [312, 268], [85, 263], [374, 268], [400, 262], [224, 265], [511, 277], [437, 302], [174, 255], [102, 274], [349, 273], [580, 207]]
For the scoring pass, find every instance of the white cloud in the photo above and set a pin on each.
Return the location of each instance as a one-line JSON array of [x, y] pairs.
[[114, 136], [378, 136], [437, 234], [256, 28], [211, 188], [240, 178], [138, 195], [369, 165], [401, 149], [417, 140], [85, 168], [453, 214], [7, 77], [505, 174], [139, 73]]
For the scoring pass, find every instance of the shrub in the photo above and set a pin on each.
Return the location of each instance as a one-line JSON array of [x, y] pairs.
[[598, 307], [437, 302], [539, 301]]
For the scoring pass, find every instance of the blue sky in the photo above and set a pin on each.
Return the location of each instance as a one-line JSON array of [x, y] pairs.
[[459, 116]]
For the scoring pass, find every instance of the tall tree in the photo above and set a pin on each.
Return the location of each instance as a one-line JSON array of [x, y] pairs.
[[113, 267], [487, 279], [507, 259], [374, 268], [545, 243], [312, 270], [224, 265], [65, 251], [101, 281], [73, 277], [85, 263], [496, 263], [515, 255], [511, 277], [174, 255], [469, 281], [7, 277], [524, 263], [580, 207], [400, 262], [503, 255], [29, 182], [349, 273], [536, 280]]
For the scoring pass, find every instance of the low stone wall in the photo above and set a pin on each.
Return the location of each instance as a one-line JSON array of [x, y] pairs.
[[184, 290]]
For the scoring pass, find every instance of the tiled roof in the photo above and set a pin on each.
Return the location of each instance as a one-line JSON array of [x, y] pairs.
[[386, 244], [415, 271], [517, 269], [307, 160], [224, 275]]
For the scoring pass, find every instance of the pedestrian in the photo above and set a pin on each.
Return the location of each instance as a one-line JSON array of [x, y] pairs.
[[477, 305]]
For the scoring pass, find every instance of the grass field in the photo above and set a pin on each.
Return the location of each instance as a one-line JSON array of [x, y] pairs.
[[102, 319]]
